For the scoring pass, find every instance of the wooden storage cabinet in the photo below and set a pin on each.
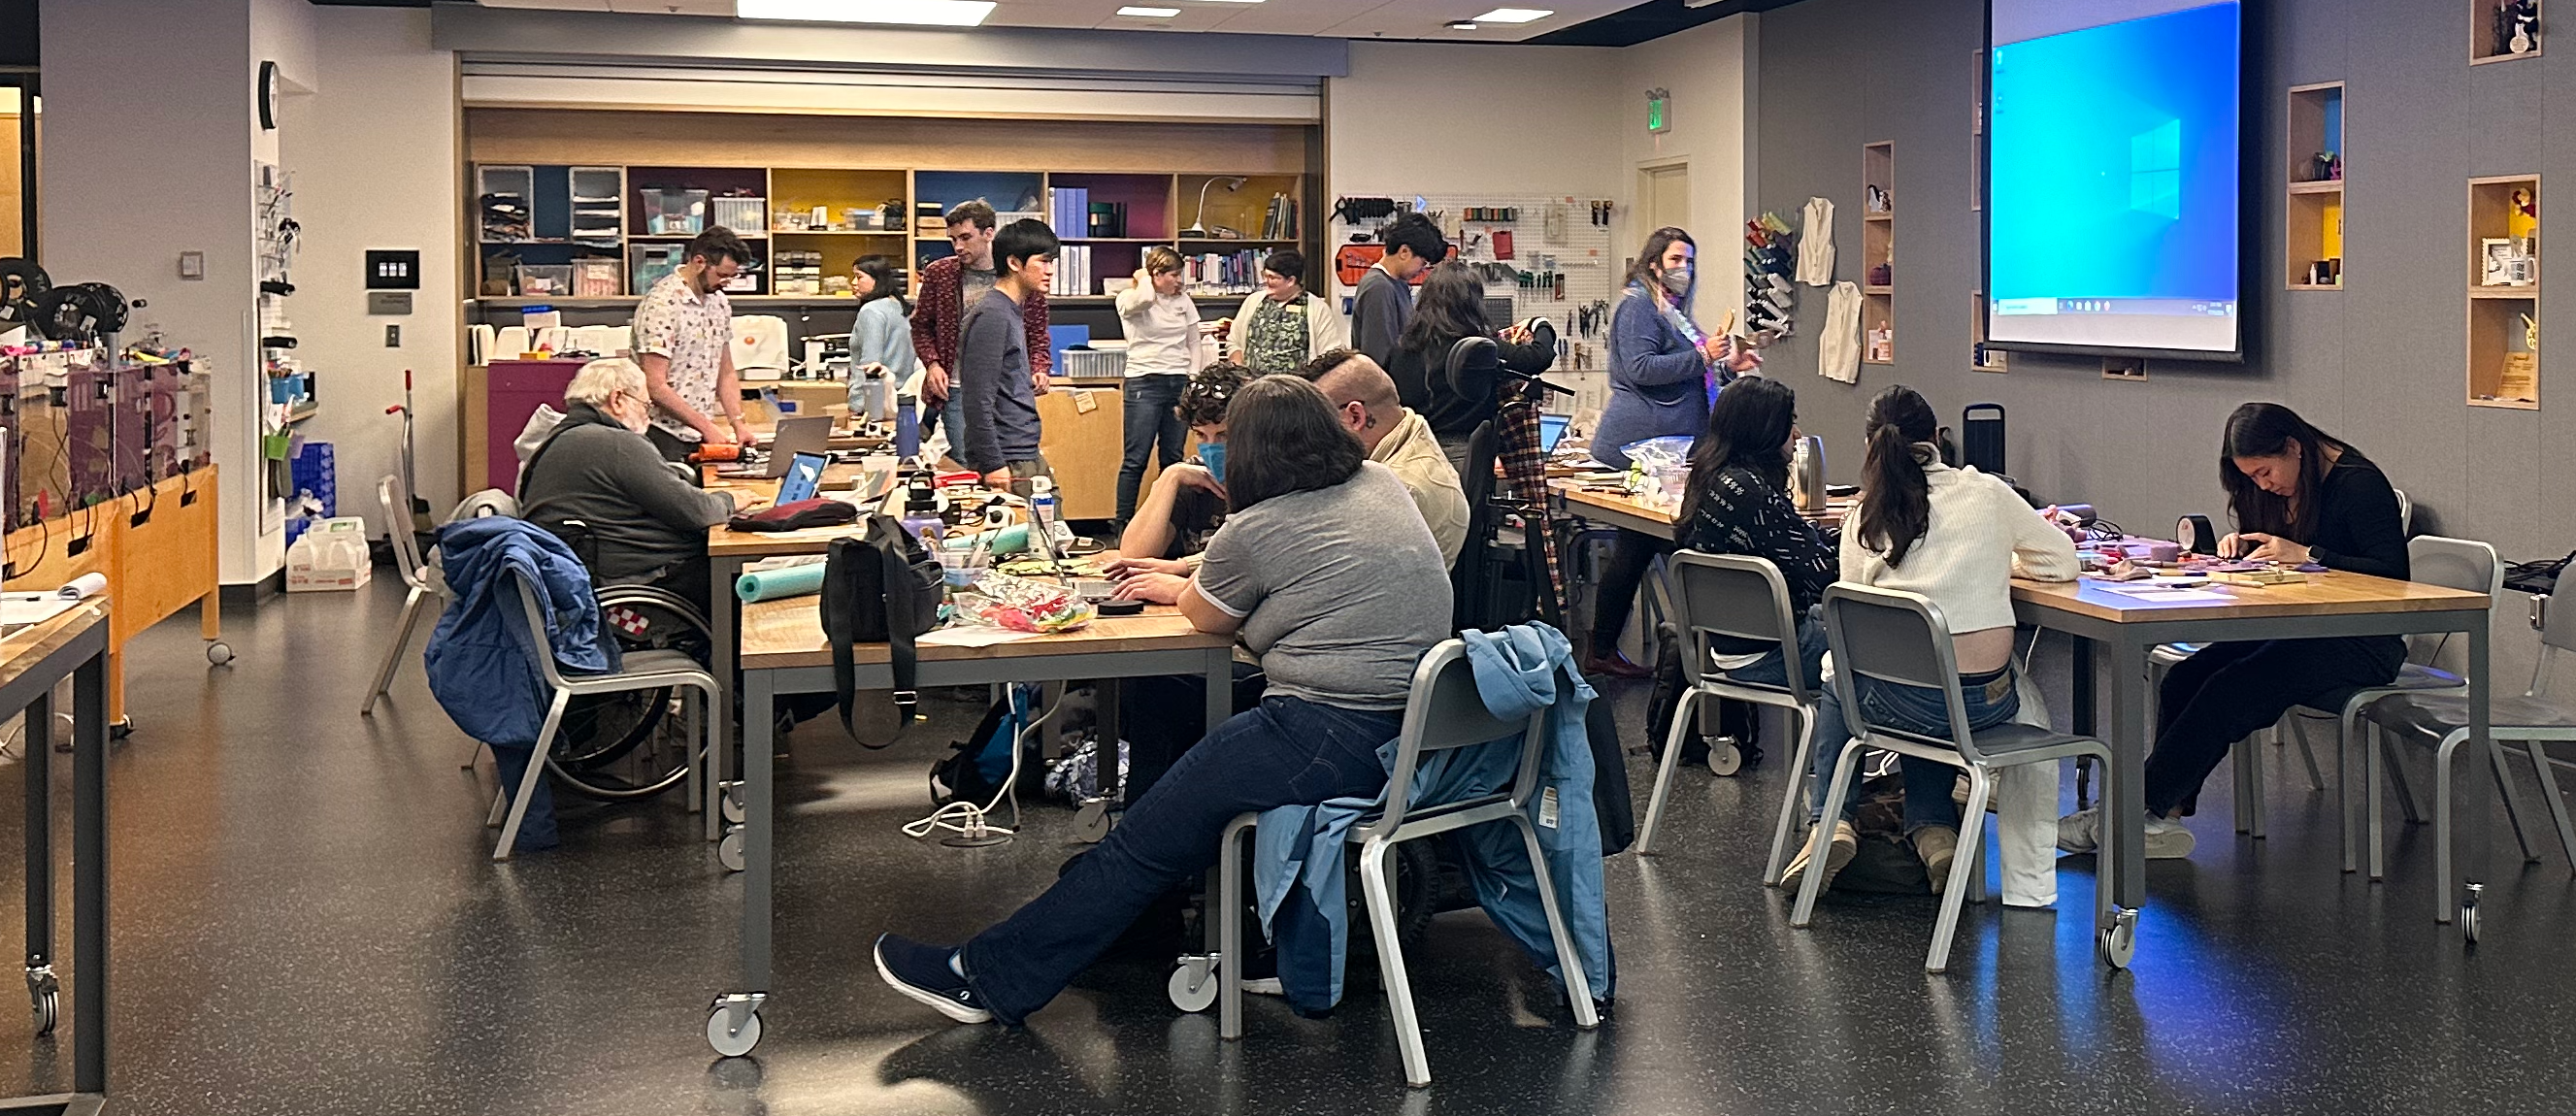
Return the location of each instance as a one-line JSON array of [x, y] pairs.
[[2503, 254]]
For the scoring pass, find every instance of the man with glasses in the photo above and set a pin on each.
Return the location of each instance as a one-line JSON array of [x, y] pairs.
[[684, 341], [646, 524]]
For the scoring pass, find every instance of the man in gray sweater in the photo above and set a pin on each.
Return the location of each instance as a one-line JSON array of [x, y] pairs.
[[646, 524]]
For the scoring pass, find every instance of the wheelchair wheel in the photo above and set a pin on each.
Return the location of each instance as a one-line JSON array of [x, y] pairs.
[[632, 745]]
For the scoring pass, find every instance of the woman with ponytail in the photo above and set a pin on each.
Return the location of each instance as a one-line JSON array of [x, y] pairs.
[[1958, 537]]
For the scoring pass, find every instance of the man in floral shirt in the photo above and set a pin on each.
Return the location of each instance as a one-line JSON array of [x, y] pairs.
[[683, 340]]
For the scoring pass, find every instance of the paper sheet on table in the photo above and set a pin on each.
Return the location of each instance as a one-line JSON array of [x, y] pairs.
[[17, 610], [2165, 594], [972, 637]]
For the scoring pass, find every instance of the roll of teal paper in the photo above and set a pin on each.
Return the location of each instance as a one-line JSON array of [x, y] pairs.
[[769, 585]]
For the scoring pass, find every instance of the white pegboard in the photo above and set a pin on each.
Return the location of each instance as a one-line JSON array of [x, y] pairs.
[[1578, 244]]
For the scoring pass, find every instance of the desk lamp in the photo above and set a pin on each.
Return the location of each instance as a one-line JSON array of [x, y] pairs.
[[1198, 225]]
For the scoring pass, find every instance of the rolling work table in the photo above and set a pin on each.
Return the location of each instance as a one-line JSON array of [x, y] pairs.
[[72, 644], [2113, 632]]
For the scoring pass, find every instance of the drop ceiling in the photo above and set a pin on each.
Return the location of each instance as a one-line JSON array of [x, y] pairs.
[[1345, 19]]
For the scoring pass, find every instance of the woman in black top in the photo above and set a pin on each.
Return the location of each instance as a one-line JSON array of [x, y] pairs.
[[1738, 496], [2297, 495], [1449, 309]]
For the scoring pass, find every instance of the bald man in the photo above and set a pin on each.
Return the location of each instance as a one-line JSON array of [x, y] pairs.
[[1396, 437]]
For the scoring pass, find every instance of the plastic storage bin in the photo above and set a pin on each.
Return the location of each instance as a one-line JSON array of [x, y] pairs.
[[674, 212], [545, 280], [332, 555], [742, 215]]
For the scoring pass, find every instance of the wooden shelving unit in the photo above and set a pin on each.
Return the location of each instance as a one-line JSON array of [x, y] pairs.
[[2312, 234], [2490, 42], [1878, 253], [1156, 206], [2503, 317]]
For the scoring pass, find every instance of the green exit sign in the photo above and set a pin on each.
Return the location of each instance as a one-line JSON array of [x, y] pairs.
[[1659, 107]]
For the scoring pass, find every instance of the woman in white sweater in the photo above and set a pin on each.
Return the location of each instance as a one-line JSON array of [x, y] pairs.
[[1958, 537], [1161, 324]]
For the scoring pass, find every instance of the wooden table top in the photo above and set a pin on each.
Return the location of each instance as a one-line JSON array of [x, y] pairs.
[[2327, 594], [789, 633], [724, 542], [1574, 492], [29, 645]]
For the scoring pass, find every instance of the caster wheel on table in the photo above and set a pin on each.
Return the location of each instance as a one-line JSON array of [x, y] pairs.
[[729, 850], [2117, 944], [729, 1040], [730, 802], [1091, 822], [2469, 914], [1725, 757], [1193, 986], [219, 653], [49, 1008], [121, 729]]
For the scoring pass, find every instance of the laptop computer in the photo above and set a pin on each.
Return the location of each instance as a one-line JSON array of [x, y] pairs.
[[804, 475], [1551, 428], [796, 436]]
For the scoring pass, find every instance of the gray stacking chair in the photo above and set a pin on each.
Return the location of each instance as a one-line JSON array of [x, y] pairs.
[[640, 670], [426, 587], [1902, 638], [1744, 597], [1444, 712], [2442, 718]]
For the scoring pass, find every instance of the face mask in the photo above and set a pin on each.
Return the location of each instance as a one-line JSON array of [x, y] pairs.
[[1677, 280], [1212, 455]]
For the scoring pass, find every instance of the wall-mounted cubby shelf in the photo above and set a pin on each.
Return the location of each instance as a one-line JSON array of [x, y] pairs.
[[2503, 253], [1878, 253], [2312, 235], [2503, 30], [539, 223]]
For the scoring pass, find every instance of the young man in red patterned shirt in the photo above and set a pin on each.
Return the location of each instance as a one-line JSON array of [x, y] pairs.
[[946, 288]]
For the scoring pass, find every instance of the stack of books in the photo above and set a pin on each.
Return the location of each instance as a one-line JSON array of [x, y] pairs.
[[1279, 221], [1068, 210], [1213, 273], [1072, 272]]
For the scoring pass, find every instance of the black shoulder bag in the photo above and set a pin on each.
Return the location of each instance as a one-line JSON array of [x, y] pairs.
[[883, 587]]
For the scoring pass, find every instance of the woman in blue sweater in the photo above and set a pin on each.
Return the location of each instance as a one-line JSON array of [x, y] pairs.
[[1660, 368]]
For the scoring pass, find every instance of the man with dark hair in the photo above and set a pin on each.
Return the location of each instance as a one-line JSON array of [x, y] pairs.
[[1395, 436], [1187, 502], [1384, 299], [684, 341], [996, 387], [944, 291]]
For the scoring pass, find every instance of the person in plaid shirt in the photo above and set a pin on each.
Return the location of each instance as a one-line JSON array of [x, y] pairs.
[[684, 341], [947, 288]]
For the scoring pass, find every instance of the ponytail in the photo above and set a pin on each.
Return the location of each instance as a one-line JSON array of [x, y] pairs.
[[1897, 507]]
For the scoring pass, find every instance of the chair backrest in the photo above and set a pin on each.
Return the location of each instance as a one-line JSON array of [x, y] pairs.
[[1447, 711], [2463, 564], [407, 557], [1900, 638], [490, 501], [2405, 514], [1462, 353], [1733, 595], [1470, 574], [534, 613], [2558, 622], [1981, 438]]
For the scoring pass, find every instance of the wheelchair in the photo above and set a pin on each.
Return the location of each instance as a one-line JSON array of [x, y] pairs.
[[618, 747]]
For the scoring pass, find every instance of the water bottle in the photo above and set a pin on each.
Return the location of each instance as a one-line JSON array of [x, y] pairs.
[[1042, 517], [907, 430], [1807, 473]]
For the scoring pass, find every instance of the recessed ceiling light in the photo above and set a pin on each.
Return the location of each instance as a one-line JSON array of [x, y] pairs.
[[1462, 25], [1233, 1], [937, 13], [1515, 15], [1149, 13]]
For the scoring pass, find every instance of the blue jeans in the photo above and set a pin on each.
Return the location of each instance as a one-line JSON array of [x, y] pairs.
[[1991, 700], [1770, 671], [1287, 751], [1146, 403], [949, 415]]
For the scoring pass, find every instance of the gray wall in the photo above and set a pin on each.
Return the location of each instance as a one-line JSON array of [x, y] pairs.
[[2379, 363]]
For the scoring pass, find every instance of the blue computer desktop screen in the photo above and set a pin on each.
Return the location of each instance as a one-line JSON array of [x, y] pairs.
[[2113, 181]]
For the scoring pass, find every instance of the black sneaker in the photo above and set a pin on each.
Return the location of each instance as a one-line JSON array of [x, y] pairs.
[[923, 973]]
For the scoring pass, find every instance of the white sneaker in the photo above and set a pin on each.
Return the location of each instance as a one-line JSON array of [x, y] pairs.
[[2166, 838]]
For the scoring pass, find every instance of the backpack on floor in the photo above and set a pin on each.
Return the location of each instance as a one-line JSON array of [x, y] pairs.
[[975, 768], [1734, 718]]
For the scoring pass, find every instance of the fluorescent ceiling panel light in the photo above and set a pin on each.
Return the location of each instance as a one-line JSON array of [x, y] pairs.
[[1150, 13], [1233, 1], [1503, 15], [935, 13]]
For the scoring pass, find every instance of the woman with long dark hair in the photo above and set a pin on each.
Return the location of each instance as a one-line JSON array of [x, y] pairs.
[[2298, 495], [1958, 537], [1737, 501], [1339, 600], [881, 334], [1451, 308], [1661, 366]]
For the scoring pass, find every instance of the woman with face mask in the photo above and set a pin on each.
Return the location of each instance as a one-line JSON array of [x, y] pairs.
[[1663, 369], [646, 525]]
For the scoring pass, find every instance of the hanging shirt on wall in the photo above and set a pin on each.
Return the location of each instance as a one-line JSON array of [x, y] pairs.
[[1816, 243], [1838, 347]]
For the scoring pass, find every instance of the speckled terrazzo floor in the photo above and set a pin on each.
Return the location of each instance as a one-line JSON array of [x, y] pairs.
[[306, 924]]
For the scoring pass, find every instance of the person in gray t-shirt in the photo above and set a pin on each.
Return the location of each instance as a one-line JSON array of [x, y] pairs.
[[1327, 570]]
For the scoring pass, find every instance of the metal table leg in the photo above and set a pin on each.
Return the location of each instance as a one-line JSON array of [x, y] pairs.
[[43, 987], [723, 615], [2080, 669], [2473, 790], [89, 874], [733, 1020], [2124, 794]]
